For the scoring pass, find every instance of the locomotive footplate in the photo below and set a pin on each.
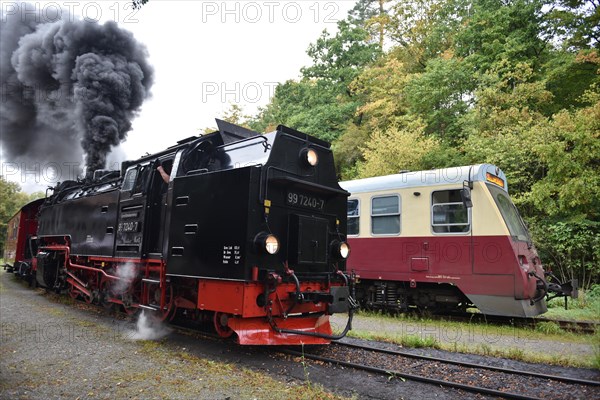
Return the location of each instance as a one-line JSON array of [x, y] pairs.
[[258, 331]]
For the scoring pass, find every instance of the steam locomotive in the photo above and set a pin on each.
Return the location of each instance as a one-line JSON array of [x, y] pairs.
[[445, 240], [249, 233]]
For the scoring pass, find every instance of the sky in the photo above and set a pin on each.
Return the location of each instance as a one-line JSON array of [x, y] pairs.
[[207, 55]]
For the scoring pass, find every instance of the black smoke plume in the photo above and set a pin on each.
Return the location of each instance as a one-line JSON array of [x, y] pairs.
[[66, 82]]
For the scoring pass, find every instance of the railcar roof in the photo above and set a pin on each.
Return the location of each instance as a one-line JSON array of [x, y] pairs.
[[28, 205], [432, 177]]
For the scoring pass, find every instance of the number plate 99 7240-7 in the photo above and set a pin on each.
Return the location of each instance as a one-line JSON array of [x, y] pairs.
[[302, 200]]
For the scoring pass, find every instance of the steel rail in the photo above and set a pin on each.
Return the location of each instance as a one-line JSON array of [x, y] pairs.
[[588, 327], [474, 365], [417, 378]]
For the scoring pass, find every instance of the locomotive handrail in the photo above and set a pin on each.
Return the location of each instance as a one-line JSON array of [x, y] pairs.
[[285, 131], [262, 137]]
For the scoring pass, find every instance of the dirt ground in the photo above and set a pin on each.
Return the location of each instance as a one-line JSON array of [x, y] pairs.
[[51, 350]]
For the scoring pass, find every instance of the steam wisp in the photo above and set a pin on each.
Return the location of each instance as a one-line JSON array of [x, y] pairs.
[[148, 328], [127, 273]]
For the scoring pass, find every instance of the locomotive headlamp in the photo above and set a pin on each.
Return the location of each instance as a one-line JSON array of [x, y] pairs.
[[309, 157], [267, 242], [340, 249]]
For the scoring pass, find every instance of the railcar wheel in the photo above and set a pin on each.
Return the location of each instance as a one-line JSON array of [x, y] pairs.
[[220, 323]]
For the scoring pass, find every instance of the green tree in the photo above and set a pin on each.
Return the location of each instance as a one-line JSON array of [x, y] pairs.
[[568, 76], [575, 24], [398, 148], [497, 31], [310, 106], [321, 102], [425, 29], [505, 126], [441, 95], [570, 249], [11, 200], [570, 187], [379, 91]]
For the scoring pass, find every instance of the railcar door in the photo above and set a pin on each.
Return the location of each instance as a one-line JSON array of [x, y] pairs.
[[450, 247]]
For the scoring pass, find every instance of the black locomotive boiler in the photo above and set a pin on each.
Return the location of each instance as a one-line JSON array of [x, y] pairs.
[[249, 231]]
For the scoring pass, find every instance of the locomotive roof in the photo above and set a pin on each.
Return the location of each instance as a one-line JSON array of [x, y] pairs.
[[432, 177]]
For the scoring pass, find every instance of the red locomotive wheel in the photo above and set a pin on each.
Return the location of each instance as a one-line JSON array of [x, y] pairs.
[[130, 310], [73, 292], [168, 312], [105, 295], [220, 322]]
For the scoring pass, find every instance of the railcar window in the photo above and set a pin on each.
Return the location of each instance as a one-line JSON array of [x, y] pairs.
[[353, 217], [448, 213], [129, 179], [385, 215], [509, 212]]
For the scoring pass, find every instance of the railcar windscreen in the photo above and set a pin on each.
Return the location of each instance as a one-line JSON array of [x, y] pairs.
[[510, 214]]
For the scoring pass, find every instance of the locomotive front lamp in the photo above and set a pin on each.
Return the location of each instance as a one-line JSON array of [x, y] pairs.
[[267, 242], [341, 249], [271, 244], [309, 157]]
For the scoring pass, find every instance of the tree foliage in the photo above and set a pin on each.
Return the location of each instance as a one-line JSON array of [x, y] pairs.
[[321, 102], [397, 148], [514, 83]]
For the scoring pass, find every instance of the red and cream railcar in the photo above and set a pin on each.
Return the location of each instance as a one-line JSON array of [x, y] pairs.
[[443, 239]]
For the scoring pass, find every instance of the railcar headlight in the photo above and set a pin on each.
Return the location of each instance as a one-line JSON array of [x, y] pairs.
[[340, 249], [309, 157], [267, 242]]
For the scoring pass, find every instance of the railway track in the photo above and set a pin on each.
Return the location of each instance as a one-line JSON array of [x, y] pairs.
[[482, 379], [470, 377], [587, 327]]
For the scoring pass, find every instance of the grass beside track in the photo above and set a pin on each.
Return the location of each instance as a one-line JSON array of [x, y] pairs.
[[494, 340], [584, 308]]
